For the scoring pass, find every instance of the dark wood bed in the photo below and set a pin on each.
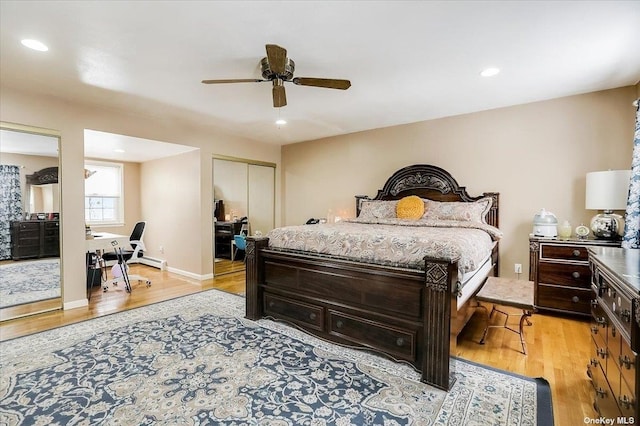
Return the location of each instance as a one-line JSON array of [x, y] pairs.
[[409, 315]]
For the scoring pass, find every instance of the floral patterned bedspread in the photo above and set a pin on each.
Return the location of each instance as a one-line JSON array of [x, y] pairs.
[[392, 242]]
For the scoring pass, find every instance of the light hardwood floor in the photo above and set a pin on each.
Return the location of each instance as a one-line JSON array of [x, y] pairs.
[[558, 348]]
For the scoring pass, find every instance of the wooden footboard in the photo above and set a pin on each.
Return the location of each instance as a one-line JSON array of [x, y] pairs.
[[406, 315]]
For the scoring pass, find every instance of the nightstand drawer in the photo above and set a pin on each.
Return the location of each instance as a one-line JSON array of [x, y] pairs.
[[553, 251], [564, 298], [565, 275]]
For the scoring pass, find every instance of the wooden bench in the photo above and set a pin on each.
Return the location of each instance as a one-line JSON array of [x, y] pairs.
[[507, 292]]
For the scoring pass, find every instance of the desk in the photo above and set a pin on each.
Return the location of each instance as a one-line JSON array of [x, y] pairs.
[[224, 232], [104, 241]]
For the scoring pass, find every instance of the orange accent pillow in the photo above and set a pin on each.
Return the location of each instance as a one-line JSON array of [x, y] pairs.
[[411, 207]]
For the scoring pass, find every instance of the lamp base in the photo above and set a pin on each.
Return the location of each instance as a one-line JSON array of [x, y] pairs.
[[607, 225]]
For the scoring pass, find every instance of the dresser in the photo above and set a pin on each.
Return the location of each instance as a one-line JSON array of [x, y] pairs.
[[35, 238], [615, 332], [560, 272]]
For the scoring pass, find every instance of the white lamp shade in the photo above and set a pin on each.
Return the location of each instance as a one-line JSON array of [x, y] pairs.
[[607, 190]]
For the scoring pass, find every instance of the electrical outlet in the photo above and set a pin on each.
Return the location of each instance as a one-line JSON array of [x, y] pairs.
[[518, 268]]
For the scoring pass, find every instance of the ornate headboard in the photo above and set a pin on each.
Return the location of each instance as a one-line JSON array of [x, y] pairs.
[[431, 182]]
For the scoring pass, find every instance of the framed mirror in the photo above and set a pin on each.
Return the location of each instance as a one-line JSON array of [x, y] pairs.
[[244, 204], [30, 261]]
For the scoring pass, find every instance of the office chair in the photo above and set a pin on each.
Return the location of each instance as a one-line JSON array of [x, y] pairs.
[[244, 232], [120, 259], [239, 243]]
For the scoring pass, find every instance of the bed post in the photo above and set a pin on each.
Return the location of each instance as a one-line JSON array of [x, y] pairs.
[[254, 276], [438, 298]]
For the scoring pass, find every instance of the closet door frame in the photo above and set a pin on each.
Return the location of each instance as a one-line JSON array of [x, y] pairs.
[[248, 162]]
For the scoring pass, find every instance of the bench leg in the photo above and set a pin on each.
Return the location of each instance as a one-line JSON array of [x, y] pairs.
[[524, 318], [526, 314], [487, 317]]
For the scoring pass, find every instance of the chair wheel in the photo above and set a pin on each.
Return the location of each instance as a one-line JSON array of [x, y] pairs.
[[148, 283], [104, 289]]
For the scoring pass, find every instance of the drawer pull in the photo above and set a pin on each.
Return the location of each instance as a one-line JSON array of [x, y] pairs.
[[601, 320], [614, 332], [576, 253], [625, 315], [594, 362], [339, 324], [400, 341], [575, 274], [626, 401], [312, 316], [575, 299], [601, 393], [594, 303], [594, 329], [626, 361], [602, 353]]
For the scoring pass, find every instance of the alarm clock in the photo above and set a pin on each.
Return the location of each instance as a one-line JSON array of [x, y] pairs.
[[582, 231]]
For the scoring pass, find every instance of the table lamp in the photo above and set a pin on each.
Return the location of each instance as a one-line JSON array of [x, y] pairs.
[[607, 191]]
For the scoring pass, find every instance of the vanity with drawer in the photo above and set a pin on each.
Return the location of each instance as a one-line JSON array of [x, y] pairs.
[[560, 272]]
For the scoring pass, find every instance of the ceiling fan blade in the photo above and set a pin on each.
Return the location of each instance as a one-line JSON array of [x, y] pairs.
[[277, 57], [235, 80], [279, 95], [329, 83]]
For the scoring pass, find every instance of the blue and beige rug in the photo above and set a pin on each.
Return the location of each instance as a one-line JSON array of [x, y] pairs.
[[195, 360], [29, 281]]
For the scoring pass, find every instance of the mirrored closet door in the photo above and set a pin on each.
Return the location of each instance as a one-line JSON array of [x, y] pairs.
[[30, 262], [244, 204]]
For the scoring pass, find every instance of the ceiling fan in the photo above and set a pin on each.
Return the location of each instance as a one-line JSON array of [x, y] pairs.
[[277, 68]]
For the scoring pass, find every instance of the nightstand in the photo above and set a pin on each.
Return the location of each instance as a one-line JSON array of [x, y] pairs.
[[560, 272]]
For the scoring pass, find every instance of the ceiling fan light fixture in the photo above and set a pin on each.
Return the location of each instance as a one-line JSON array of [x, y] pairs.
[[278, 68], [34, 44], [490, 72]]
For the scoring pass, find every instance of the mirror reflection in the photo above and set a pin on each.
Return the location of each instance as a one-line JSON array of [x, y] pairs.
[[244, 204], [29, 221]]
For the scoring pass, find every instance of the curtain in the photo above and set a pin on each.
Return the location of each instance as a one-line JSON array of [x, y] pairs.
[[10, 205], [631, 238]]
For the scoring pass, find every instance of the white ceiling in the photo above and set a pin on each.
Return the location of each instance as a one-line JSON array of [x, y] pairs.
[[408, 61]]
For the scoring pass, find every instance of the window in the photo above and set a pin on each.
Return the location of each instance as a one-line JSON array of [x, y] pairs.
[[103, 200]]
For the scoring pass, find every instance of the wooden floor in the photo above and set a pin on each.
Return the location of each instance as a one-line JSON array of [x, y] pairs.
[[558, 348]]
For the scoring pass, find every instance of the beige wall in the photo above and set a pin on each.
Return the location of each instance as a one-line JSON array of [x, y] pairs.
[[170, 196], [71, 119], [535, 155]]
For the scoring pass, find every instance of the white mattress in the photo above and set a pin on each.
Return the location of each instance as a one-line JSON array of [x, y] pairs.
[[471, 281]]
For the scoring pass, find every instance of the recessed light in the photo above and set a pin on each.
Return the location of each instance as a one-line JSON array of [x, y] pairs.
[[119, 150], [35, 45], [490, 72], [280, 122]]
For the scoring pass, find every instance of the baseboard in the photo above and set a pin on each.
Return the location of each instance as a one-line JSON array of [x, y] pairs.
[[75, 304], [190, 274]]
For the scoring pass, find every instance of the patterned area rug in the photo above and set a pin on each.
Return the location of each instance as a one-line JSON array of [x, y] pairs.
[[195, 360], [29, 281]]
